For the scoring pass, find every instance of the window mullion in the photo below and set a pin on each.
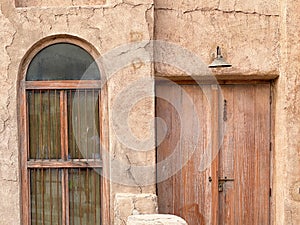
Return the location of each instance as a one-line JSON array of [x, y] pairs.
[[64, 125], [101, 135], [86, 124], [64, 156]]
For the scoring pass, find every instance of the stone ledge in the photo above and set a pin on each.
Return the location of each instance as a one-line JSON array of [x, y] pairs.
[[155, 219], [133, 204]]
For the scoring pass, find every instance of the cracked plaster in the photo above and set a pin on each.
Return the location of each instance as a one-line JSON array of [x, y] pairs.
[[9, 159], [249, 39], [263, 7]]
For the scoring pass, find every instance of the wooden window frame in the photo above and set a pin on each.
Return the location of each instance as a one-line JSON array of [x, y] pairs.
[[66, 84], [27, 164]]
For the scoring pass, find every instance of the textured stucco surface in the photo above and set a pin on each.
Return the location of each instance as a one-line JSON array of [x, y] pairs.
[[9, 167], [247, 32], [287, 119], [47, 3], [259, 38]]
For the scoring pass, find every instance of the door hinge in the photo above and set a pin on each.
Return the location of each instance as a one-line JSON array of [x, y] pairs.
[[270, 192], [270, 146], [225, 110]]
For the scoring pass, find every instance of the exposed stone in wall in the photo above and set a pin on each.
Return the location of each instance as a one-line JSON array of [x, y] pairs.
[[155, 219], [133, 204]]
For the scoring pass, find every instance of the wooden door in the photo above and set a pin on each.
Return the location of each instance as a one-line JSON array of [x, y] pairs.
[[213, 153]]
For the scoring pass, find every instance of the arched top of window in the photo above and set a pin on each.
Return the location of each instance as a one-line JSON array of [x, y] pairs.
[[62, 61]]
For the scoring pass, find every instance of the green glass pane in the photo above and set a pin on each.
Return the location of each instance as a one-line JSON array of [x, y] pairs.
[[62, 61], [44, 124], [46, 196], [84, 197], [83, 124]]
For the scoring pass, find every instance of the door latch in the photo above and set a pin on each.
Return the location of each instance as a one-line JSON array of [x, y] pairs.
[[221, 182]]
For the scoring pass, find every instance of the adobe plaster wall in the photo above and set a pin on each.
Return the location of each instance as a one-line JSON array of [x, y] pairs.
[[259, 38], [287, 122], [246, 31]]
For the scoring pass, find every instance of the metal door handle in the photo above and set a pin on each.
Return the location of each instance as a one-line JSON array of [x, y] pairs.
[[225, 179], [221, 182]]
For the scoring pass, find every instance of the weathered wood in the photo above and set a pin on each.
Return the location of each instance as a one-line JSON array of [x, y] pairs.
[[104, 151], [187, 120], [244, 154], [246, 200], [214, 154], [24, 148], [64, 164], [165, 111], [61, 162], [63, 84], [64, 196]]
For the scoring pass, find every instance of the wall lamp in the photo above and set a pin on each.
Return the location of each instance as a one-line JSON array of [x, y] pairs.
[[219, 60]]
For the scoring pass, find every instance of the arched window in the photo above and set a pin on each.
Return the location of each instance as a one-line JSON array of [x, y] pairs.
[[61, 153], [62, 61]]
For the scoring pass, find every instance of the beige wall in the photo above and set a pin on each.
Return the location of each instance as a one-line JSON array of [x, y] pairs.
[[287, 118], [247, 32], [47, 3], [259, 38]]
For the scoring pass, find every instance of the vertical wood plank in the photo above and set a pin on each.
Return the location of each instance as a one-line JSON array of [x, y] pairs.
[[226, 154], [246, 199], [188, 145], [164, 111], [88, 196], [62, 124], [214, 151], [188, 192], [64, 156], [51, 196], [64, 198], [176, 149], [42, 181], [63, 153], [262, 145], [40, 123], [104, 151], [203, 153], [56, 127], [49, 149]]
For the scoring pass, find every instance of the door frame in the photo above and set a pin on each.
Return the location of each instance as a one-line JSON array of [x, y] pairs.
[[225, 81]]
